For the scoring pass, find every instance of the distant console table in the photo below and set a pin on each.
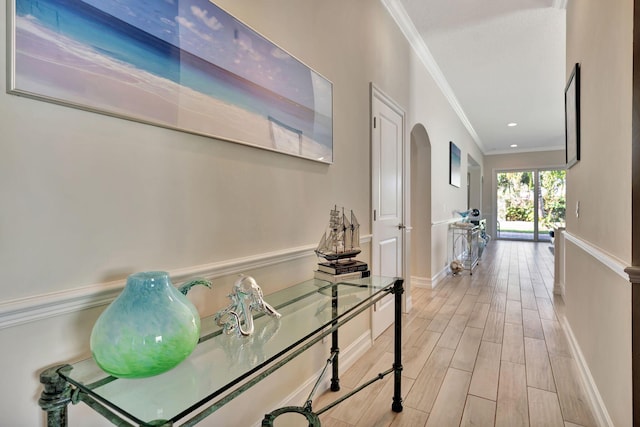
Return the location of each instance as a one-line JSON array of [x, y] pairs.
[[222, 366], [464, 244]]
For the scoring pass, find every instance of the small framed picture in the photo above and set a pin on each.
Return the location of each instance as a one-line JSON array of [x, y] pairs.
[[572, 117], [454, 165]]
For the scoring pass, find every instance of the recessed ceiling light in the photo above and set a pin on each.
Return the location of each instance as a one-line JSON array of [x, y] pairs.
[[512, 124], [513, 145]]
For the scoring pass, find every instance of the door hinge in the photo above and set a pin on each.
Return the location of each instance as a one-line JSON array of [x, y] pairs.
[[374, 122], [374, 214]]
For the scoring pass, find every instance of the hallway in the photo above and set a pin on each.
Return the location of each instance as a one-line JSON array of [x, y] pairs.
[[481, 350]]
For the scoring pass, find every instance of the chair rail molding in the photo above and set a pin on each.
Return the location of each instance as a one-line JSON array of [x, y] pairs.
[[39, 307], [634, 278], [616, 265], [634, 274]]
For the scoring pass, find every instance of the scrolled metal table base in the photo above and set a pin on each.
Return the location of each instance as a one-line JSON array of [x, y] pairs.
[[312, 418]]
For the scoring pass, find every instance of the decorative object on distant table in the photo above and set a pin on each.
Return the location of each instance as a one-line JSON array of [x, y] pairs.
[[245, 298], [148, 329], [341, 239], [456, 267], [468, 214]]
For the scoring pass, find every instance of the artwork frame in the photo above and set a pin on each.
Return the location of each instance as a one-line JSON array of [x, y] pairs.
[[572, 117], [188, 66], [454, 164]]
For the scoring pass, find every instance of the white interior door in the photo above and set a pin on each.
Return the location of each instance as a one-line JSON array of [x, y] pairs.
[[387, 171]]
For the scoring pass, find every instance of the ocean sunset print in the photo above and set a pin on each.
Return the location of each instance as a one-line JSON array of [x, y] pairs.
[[185, 65]]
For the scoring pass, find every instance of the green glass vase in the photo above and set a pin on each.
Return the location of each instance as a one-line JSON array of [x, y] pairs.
[[148, 329]]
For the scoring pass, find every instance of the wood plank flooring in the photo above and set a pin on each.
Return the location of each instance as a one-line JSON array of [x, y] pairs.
[[479, 350]]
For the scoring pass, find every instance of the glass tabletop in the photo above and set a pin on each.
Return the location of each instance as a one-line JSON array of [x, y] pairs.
[[222, 362]]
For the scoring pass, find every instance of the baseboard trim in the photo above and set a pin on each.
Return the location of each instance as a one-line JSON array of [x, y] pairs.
[[44, 306], [348, 357], [421, 282], [439, 277], [429, 283], [601, 414]]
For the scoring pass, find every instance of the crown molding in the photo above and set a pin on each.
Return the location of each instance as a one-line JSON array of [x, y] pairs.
[[523, 150], [560, 4], [402, 19]]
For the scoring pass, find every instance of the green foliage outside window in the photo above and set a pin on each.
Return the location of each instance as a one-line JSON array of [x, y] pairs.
[[552, 192], [516, 193], [519, 213]]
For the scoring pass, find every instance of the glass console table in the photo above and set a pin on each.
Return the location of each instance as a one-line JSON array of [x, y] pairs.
[[223, 366], [464, 244]]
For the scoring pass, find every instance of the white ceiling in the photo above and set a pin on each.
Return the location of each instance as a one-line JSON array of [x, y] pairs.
[[498, 61]]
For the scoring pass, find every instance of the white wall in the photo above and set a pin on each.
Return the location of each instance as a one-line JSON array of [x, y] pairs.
[[420, 207], [89, 199], [442, 126], [598, 247], [601, 181], [598, 314], [475, 187]]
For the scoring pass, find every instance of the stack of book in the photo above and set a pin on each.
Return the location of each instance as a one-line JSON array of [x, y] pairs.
[[339, 271]]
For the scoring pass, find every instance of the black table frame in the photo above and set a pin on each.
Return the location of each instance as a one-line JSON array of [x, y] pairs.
[[59, 390]]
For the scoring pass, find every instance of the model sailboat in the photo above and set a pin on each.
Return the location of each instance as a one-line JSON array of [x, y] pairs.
[[342, 238]]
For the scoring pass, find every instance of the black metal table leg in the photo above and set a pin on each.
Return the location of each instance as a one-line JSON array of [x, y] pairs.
[[55, 397], [398, 290], [335, 374]]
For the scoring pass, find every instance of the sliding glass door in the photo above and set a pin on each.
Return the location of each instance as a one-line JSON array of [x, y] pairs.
[[551, 201], [516, 205], [529, 203]]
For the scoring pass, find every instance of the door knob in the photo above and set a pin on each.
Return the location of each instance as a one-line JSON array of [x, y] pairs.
[[401, 226]]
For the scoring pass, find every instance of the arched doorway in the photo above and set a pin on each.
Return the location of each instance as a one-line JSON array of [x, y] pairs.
[[420, 262]]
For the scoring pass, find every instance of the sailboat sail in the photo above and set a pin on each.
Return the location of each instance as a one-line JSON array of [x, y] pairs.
[[355, 227], [342, 238], [348, 232]]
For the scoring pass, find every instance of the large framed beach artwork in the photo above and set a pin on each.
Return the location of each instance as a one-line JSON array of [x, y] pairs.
[[186, 65]]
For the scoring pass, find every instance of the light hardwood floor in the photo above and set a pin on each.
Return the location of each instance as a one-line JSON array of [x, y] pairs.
[[479, 350]]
